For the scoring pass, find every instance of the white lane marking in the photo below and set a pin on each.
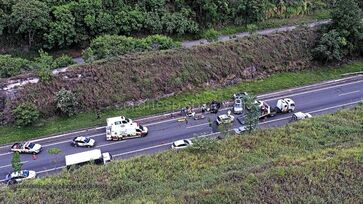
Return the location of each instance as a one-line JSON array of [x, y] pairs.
[[193, 126], [51, 144], [315, 90], [160, 145], [112, 143], [5, 153], [9, 165], [308, 86], [271, 121], [169, 143], [52, 169], [150, 124], [352, 92], [338, 106]]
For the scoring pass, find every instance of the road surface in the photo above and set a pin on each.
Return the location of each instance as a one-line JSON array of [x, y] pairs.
[[163, 130]]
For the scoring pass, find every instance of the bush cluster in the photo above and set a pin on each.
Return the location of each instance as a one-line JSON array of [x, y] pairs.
[[59, 24], [44, 63], [113, 45]]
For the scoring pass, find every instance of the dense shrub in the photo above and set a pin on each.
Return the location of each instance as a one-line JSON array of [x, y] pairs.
[[25, 114], [58, 24], [330, 47], [11, 66], [113, 45], [62, 61], [66, 102], [344, 35], [211, 35]]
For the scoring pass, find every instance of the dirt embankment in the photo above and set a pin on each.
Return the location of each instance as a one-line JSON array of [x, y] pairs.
[[153, 74]]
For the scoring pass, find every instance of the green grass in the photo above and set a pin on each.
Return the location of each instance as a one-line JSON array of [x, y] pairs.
[[54, 151], [313, 161], [273, 83]]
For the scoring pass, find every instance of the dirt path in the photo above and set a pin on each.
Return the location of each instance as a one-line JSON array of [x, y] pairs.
[[223, 38]]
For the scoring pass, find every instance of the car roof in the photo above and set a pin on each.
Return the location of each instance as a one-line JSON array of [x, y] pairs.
[[224, 116], [300, 114], [18, 173], [180, 142], [80, 138]]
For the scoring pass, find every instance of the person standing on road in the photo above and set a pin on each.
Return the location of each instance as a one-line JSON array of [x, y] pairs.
[[186, 120]]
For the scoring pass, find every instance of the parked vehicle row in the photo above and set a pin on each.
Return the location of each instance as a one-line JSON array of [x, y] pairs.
[[119, 128]]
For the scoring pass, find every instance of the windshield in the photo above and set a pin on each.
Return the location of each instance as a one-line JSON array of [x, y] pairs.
[[25, 173], [87, 140], [31, 145]]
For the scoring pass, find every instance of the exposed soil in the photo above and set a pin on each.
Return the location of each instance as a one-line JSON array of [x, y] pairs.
[[154, 74]]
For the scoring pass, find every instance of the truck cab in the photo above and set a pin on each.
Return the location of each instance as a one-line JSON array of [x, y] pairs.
[[285, 105]]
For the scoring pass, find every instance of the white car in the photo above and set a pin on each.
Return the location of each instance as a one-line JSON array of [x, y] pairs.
[[300, 116], [27, 147], [239, 130], [19, 176], [237, 106], [225, 119], [83, 142], [240, 95], [180, 144]]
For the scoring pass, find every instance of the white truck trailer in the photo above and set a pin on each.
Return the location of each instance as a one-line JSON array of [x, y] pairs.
[[119, 128], [93, 156]]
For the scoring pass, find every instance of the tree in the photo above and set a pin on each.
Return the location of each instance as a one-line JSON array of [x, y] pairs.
[[2, 21], [347, 21], [16, 162], [30, 16], [66, 102], [330, 47], [250, 11], [25, 114], [252, 112], [62, 30]]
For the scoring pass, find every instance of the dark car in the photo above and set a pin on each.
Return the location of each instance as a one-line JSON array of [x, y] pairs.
[[214, 107]]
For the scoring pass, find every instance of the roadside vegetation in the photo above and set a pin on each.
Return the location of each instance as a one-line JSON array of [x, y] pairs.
[[318, 160], [54, 24], [134, 78], [275, 82]]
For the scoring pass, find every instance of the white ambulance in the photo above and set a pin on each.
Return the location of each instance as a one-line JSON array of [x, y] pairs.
[[119, 128]]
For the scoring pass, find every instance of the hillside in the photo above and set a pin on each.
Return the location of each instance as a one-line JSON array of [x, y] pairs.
[[155, 74], [314, 161]]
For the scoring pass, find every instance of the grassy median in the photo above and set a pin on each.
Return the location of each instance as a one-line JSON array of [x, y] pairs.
[[313, 161], [88, 119]]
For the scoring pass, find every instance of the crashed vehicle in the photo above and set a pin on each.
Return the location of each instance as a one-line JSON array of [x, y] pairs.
[[214, 107], [28, 147], [300, 116], [237, 106]]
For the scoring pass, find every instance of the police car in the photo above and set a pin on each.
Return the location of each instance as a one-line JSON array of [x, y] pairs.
[[83, 142], [180, 144], [16, 177], [27, 147]]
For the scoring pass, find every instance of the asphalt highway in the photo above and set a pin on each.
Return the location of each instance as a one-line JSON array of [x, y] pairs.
[[316, 100]]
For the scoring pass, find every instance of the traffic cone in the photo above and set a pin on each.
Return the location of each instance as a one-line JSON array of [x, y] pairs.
[[34, 157]]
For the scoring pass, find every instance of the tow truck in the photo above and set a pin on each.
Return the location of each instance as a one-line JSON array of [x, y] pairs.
[[284, 105]]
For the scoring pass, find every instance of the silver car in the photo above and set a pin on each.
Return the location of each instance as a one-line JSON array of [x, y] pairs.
[[237, 106]]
